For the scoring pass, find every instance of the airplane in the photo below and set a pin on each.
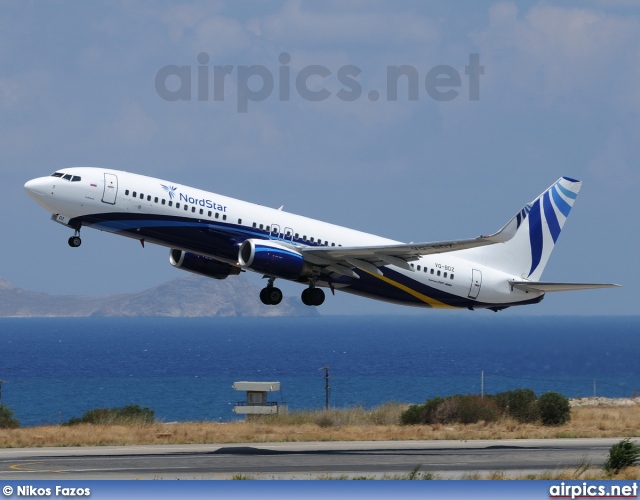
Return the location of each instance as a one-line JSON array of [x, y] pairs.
[[217, 236]]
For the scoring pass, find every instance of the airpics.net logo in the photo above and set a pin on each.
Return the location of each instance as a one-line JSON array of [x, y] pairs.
[[593, 490], [258, 83]]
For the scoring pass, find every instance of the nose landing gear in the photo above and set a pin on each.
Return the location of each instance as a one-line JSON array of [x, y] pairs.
[[75, 241]]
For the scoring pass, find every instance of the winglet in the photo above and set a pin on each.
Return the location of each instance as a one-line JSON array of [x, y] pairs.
[[506, 232]]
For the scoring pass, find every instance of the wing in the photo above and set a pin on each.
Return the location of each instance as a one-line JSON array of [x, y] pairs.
[[342, 260], [541, 286]]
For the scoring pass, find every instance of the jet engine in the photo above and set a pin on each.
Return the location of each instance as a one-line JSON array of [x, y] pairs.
[[273, 259], [199, 264]]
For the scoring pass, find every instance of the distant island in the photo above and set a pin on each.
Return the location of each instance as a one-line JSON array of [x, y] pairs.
[[191, 296]]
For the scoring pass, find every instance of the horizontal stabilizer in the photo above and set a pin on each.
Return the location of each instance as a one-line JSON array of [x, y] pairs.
[[542, 286]]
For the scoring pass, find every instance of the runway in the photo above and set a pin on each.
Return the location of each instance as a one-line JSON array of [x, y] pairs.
[[445, 459]]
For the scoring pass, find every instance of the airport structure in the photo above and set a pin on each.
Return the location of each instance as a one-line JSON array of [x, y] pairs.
[[256, 401]]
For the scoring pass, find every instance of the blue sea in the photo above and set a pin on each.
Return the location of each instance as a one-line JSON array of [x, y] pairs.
[[55, 369]]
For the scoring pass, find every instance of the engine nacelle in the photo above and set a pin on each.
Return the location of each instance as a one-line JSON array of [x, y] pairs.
[[271, 258], [199, 264]]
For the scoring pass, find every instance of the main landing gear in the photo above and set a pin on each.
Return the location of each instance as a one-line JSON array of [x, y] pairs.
[[312, 296], [270, 295]]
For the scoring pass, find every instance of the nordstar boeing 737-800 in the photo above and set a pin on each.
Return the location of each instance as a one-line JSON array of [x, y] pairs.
[[217, 236]]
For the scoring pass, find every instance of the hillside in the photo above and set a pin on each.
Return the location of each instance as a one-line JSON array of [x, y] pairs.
[[190, 296]]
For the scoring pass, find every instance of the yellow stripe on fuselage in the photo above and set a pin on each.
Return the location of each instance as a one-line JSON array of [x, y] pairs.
[[427, 300]]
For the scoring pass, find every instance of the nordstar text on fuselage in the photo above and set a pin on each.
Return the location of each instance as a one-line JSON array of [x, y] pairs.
[[202, 203]]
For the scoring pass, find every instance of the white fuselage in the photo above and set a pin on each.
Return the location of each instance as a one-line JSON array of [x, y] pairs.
[[204, 223]]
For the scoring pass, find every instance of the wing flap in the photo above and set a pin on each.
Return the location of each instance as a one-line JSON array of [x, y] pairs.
[[542, 286]]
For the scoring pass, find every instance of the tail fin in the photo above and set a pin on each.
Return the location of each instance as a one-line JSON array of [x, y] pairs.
[[538, 227]]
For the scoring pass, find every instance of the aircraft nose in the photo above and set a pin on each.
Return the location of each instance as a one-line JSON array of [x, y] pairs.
[[35, 187]]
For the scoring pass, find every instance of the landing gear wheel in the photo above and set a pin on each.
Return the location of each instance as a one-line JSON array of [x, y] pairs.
[[312, 296], [306, 300], [317, 296], [271, 296], [275, 296], [75, 241]]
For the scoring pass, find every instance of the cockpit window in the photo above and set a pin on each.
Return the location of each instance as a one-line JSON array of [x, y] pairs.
[[67, 177]]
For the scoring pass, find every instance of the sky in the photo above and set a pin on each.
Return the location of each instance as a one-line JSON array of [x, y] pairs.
[[418, 121]]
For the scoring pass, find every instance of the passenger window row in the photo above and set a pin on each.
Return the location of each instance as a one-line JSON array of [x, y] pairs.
[[435, 272], [162, 201], [296, 236], [216, 215]]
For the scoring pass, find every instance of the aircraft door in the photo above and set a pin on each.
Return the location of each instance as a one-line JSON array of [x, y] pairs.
[[288, 234], [476, 283], [110, 189]]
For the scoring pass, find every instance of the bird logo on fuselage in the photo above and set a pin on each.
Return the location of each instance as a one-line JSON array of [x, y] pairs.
[[170, 189]]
